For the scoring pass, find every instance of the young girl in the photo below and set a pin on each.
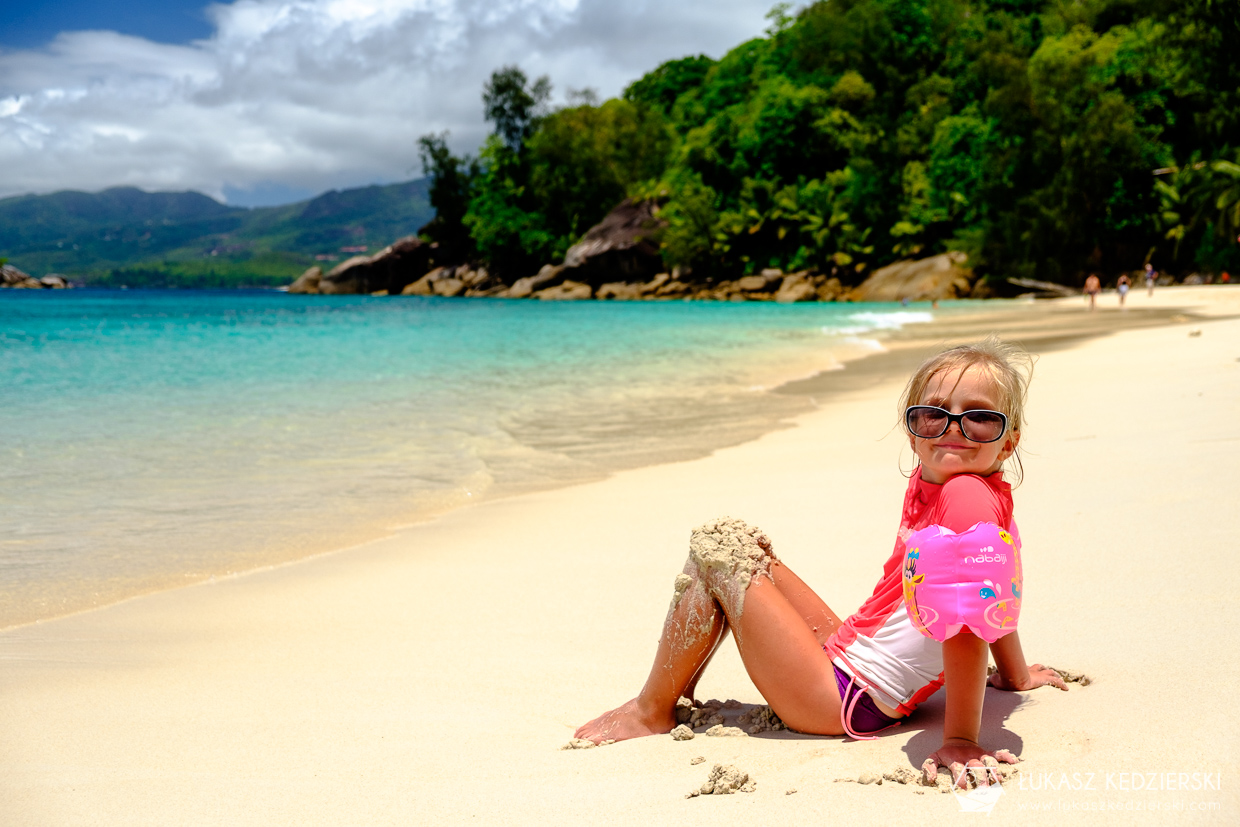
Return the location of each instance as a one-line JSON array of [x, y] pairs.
[[823, 675]]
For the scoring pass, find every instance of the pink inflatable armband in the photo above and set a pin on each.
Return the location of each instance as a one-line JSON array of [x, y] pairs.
[[955, 580]]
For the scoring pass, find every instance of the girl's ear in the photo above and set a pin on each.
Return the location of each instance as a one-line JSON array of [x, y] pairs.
[[1009, 446]]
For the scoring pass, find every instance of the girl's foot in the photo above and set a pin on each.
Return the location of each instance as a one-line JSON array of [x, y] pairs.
[[624, 722]]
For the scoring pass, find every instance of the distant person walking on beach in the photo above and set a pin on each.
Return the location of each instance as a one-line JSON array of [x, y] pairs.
[[1122, 286], [1150, 275], [1092, 288]]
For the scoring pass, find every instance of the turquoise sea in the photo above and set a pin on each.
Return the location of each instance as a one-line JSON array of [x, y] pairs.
[[160, 438]]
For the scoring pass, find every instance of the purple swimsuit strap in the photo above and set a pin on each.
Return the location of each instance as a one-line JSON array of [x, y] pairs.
[[852, 694]]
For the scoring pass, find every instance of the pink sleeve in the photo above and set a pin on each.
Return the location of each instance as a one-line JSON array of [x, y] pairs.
[[966, 501]]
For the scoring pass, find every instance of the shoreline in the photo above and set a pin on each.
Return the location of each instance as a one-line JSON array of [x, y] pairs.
[[1046, 324], [431, 677], [1049, 325]]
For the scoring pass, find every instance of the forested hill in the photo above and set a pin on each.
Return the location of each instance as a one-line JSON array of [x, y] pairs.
[[127, 236], [1045, 138]]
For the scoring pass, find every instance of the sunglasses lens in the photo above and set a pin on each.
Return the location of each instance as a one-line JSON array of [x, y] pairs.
[[927, 423], [982, 426]]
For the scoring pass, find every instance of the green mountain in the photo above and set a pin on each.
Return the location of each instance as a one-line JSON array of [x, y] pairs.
[[186, 239]]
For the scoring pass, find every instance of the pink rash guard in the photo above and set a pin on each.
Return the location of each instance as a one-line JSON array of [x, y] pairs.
[[879, 644]]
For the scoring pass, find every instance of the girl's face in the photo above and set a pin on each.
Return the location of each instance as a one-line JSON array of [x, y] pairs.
[[957, 391]]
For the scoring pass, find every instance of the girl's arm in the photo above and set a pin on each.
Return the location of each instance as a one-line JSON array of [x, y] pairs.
[[1012, 674], [964, 676]]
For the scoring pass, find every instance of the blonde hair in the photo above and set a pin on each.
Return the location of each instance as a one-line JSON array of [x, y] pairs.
[[1010, 368]]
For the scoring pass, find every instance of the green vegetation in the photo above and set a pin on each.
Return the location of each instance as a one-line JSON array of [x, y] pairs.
[[541, 180], [263, 270], [124, 236], [1045, 138]]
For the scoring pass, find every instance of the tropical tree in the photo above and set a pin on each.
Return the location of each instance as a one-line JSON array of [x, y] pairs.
[[855, 132], [452, 181], [514, 105]]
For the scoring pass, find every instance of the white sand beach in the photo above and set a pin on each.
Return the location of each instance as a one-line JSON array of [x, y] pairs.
[[432, 677]]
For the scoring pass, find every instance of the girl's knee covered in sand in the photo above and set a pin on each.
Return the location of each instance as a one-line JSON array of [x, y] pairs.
[[729, 555]]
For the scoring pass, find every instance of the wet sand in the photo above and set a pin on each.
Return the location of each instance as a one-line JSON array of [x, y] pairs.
[[432, 677]]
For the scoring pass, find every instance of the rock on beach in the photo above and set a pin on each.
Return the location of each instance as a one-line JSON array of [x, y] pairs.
[[390, 269], [928, 279]]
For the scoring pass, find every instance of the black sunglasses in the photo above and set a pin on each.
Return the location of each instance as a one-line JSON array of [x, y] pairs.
[[929, 422]]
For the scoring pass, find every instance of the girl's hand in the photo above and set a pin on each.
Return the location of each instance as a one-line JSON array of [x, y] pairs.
[[956, 754], [1039, 675]]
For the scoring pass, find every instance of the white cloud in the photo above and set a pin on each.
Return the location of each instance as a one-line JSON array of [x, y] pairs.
[[314, 94]]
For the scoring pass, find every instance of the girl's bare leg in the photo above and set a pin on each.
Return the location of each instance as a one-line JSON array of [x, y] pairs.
[[691, 690], [779, 625], [821, 620], [692, 632], [784, 658], [818, 616]]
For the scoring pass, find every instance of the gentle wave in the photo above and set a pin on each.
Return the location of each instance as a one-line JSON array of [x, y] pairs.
[[163, 438]]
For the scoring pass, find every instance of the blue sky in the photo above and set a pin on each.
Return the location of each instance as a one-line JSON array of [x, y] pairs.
[[33, 24], [268, 101]]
